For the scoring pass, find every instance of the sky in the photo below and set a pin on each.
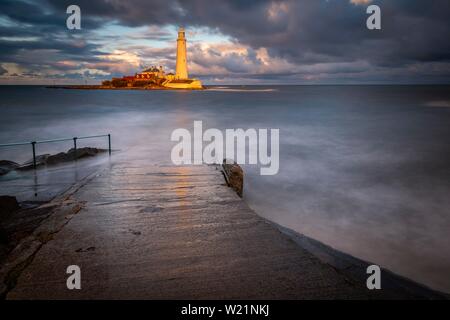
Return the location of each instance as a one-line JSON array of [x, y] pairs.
[[229, 41]]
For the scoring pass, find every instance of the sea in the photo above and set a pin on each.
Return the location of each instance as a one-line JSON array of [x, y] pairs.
[[363, 169]]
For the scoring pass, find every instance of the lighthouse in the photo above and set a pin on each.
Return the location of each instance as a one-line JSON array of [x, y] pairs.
[[181, 79], [181, 66]]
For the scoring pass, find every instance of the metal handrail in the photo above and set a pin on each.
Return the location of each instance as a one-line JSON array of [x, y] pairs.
[[74, 139]]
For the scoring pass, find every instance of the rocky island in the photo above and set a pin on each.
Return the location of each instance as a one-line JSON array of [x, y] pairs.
[[153, 78]]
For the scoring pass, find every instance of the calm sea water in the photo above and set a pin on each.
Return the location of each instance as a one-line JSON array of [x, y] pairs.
[[364, 169]]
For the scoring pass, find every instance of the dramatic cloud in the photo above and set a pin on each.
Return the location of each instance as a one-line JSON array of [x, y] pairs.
[[291, 41]]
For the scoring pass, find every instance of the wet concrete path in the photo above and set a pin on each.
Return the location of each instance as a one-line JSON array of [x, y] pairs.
[[164, 232]]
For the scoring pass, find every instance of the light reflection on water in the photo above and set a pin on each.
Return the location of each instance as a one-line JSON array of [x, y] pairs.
[[363, 169]]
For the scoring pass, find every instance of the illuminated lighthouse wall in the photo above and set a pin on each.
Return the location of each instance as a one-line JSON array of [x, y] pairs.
[[181, 79], [181, 71]]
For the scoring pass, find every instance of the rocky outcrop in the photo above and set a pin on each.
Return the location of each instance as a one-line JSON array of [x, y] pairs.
[[72, 154], [8, 204], [40, 160], [234, 175], [6, 166]]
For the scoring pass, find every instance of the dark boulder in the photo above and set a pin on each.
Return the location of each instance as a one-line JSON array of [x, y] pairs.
[[58, 158], [6, 166], [71, 155], [84, 152], [41, 160], [3, 241], [8, 204], [234, 176]]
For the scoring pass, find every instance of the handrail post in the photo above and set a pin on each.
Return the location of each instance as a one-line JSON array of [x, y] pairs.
[[75, 147], [109, 143], [33, 144]]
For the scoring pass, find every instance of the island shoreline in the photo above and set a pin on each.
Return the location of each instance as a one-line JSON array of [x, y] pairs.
[[100, 87]]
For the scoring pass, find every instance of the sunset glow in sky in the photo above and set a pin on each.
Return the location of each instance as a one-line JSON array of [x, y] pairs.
[[229, 42]]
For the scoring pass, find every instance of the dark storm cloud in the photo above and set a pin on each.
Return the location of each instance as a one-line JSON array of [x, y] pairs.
[[303, 31], [41, 15], [28, 12], [414, 34], [12, 51], [129, 13], [312, 30], [48, 27]]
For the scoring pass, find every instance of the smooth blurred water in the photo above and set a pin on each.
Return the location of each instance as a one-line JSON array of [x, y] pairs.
[[364, 169]]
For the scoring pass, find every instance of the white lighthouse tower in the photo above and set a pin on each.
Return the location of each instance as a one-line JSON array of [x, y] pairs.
[[181, 78], [181, 71]]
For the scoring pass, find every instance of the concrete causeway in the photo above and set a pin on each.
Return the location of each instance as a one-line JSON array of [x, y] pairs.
[[166, 232]]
